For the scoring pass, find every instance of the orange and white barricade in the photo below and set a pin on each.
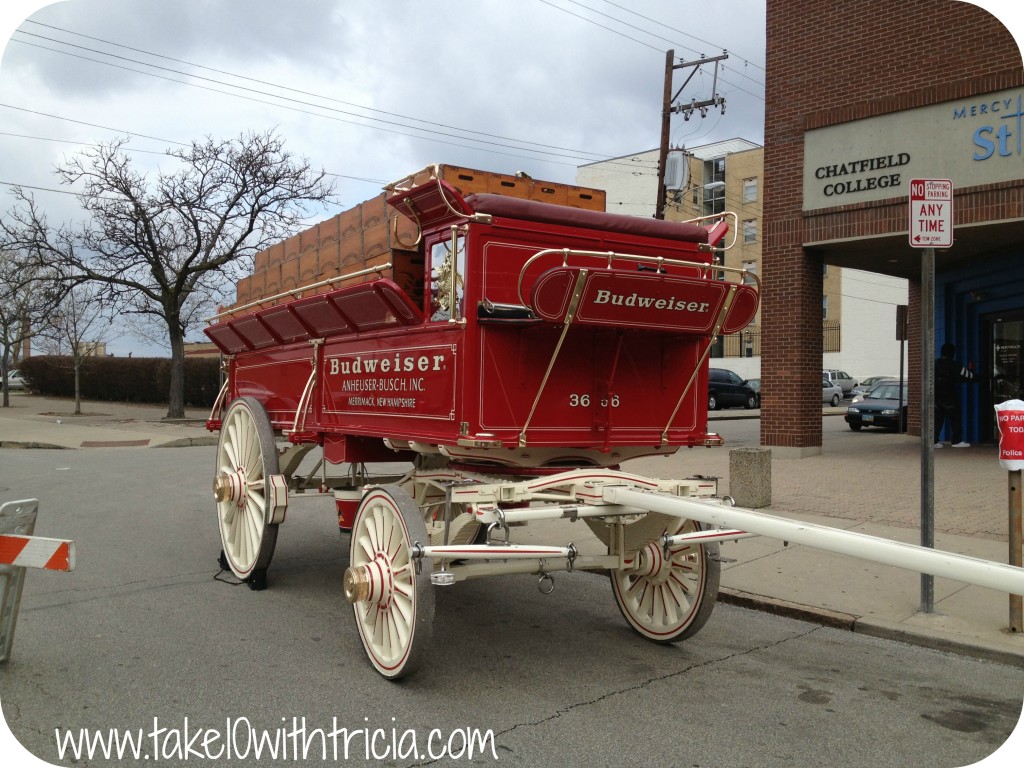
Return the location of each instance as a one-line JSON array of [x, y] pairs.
[[19, 550]]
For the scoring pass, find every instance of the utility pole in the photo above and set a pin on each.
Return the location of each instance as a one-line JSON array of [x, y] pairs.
[[666, 124], [687, 110]]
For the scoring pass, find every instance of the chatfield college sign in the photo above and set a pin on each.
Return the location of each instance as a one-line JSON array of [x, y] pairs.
[[972, 142]]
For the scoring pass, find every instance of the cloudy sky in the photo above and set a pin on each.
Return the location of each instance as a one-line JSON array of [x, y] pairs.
[[370, 91], [373, 91]]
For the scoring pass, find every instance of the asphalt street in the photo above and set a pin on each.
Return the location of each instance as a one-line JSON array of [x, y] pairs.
[[147, 633]]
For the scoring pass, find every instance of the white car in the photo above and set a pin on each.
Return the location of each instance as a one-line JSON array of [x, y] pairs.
[[15, 381], [867, 384], [845, 381], [831, 393]]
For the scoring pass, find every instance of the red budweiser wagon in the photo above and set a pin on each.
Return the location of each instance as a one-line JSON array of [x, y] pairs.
[[538, 348]]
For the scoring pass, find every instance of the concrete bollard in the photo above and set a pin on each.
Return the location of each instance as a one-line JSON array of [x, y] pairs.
[[750, 477]]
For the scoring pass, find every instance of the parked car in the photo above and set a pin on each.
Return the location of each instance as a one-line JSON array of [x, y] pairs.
[[726, 389], [831, 393], [845, 381], [866, 384], [15, 381], [880, 407], [755, 384]]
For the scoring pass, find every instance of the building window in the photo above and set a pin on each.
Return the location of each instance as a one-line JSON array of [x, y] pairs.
[[714, 186], [750, 230], [824, 307], [750, 267], [749, 190]]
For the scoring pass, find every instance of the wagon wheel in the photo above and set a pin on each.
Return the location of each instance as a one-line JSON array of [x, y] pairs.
[[391, 594], [248, 501], [667, 598]]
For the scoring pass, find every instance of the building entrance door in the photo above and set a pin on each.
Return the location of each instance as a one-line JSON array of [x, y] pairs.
[[1005, 367]]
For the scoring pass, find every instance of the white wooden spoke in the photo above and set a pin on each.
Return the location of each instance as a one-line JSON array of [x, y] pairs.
[[246, 457], [395, 608], [667, 597]]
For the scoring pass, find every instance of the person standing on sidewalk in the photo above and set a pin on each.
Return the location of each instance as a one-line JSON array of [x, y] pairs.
[[949, 374]]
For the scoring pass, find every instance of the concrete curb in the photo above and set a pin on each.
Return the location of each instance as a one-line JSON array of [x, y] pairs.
[[189, 442], [937, 640], [17, 444], [786, 608], [872, 627]]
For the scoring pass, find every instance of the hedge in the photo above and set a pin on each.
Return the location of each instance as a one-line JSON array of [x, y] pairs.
[[123, 379]]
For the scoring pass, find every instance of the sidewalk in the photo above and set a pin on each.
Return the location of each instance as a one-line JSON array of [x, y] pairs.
[[34, 421], [869, 484]]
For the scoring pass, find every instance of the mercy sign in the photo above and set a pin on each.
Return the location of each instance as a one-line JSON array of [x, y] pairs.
[[931, 213]]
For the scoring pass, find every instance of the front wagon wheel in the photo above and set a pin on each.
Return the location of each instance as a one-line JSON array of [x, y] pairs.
[[668, 596], [391, 594]]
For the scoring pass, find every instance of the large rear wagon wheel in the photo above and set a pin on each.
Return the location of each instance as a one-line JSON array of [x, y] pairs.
[[247, 489], [392, 599], [669, 598]]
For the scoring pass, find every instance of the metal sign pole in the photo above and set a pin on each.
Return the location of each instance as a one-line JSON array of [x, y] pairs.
[[1016, 555], [931, 225], [927, 420]]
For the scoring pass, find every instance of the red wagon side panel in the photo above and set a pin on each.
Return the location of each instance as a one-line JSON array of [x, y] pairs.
[[576, 336]]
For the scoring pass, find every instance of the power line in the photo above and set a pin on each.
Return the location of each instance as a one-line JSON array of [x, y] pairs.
[[641, 42], [270, 95], [318, 114], [287, 88], [679, 31], [602, 26], [93, 125], [156, 152], [652, 34]]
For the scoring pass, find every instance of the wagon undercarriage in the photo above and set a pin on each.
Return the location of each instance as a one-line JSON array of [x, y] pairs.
[[502, 385]]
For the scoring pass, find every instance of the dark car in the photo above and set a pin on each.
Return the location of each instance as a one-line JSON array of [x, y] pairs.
[[880, 408], [755, 384], [726, 389]]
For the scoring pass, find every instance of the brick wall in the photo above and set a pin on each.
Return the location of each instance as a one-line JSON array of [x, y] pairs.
[[829, 63]]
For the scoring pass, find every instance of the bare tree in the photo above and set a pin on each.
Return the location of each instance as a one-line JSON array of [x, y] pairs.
[[164, 247], [27, 293], [75, 329]]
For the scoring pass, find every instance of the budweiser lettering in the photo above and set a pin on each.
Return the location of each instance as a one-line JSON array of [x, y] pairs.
[[396, 364], [648, 302]]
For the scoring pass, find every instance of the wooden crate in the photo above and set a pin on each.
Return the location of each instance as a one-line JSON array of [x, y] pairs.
[[350, 221], [365, 235], [375, 211], [290, 274], [309, 241], [292, 247], [243, 291], [309, 267], [273, 285], [376, 239], [275, 255]]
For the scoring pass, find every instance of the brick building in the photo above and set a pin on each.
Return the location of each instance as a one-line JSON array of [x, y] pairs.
[[861, 97]]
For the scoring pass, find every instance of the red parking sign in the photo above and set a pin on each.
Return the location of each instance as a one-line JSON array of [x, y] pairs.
[[931, 213], [1010, 418]]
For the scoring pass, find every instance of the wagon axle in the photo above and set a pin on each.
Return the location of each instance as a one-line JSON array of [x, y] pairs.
[[229, 486]]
